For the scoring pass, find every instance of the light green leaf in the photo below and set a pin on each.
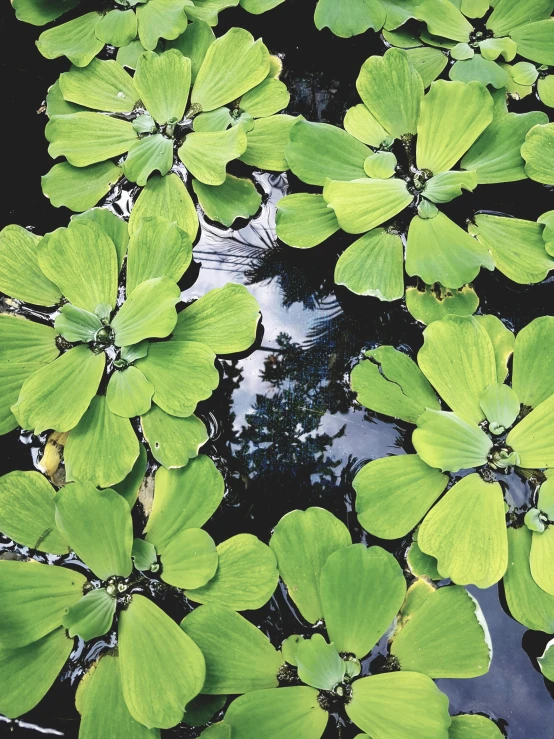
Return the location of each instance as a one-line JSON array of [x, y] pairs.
[[429, 63], [246, 576], [148, 312], [398, 705], [34, 598], [39, 14], [233, 64], [391, 383], [24, 341], [394, 493], [92, 616], [305, 220], [533, 361], [267, 142], [546, 661], [392, 90], [261, 713], [444, 187], [89, 450], [117, 28], [184, 499], [466, 533], [493, 48], [435, 302], [524, 73], [502, 341], [473, 726], [206, 155], [150, 154], [538, 153], [349, 18], [444, 19], [20, 274], [361, 593], [362, 124], [453, 115], [533, 437], [114, 227], [56, 104], [534, 41], [163, 83], [364, 204], [225, 319], [76, 324], [542, 559], [129, 393], [145, 557], [27, 673], [75, 39], [157, 659], [545, 90], [194, 44], [319, 664], [239, 657], [166, 197], [380, 165], [267, 98], [57, 395], [373, 265], [501, 407], [87, 138], [479, 69], [302, 542], [102, 85], [77, 188], [128, 55], [82, 512], [450, 443], [173, 441], [160, 19], [507, 16], [421, 565], [27, 513], [461, 52], [190, 559], [235, 198], [216, 120]]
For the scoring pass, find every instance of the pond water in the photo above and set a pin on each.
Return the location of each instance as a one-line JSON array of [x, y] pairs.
[[285, 430]]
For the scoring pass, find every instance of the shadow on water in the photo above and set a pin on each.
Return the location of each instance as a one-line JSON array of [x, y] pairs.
[[284, 427]]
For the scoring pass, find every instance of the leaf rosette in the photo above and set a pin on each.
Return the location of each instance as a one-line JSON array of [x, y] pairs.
[[151, 678], [108, 354], [389, 173], [474, 430], [191, 113], [352, 596]]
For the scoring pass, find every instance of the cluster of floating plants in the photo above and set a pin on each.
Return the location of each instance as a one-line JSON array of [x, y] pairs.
[[105, 359]]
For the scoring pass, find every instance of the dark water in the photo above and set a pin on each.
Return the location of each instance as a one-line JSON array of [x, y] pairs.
[[284, 428]]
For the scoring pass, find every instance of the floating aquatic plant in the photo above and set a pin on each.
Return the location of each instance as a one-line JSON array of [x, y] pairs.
[[98, 360], [192, 115], [482, 430], [353, 595], [390, 171], [157, 670]]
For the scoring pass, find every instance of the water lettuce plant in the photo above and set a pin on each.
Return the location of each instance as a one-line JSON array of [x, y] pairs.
[[391, 170], [192, 116], [108, 353], [494, 43], [478, 429], [156, 670], [350, 596]]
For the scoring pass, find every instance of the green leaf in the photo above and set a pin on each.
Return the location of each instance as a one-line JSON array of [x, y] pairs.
[[117, 28], [391, 383], [502, 341], [319, 664], [218, 730], [453, 115], [76, 324], [56, 104], [429, 63], [421, 565], [364, 204], [394, 493], [216, 120], [173, 441], [545, 90], [267, 143], [27, 673], [466, 533], [305, 220], [532, 438], [444, 19], [233, 64], [446, 637], [158, 248], [267, 98], [79, 189], [525, 73], [225, 319], [461, 52], [102, 706], [533, 359], [546, 661], [494, 48], [160, 19], [473, 726], [34, 598], [129, 393], [194, 44], [20, 274], [398, 705], [157, 659], [206, 155], [75, 39], [246, 576], [541, 559], [82, 512], [361, 593], [450, 443], [24, 341], [92, 616], [148, 312], [435, 302], [261, 713], [128, 488], [362, 124], [507, 16], [444, 187], [39, 14], [184, 499], [380, 165], [534, 41], [102, 85], [302, 542], [392, 90], [57, 395], [318, 151], [190, 559], [87, 138], [235, 198], [145, 557], [166, 197], [82, 260], [163, 84], [349, 18], [373, 265], [150, 154], [239, 657], [27, 513], [538, 153], [501, 407], [114, 227]]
